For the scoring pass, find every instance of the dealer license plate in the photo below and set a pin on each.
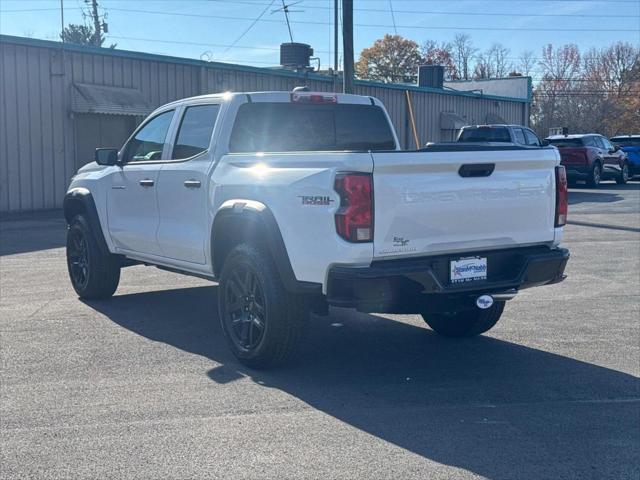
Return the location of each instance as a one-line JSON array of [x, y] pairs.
[[469, 269]]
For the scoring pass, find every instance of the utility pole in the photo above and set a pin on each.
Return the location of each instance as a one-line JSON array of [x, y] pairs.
[[347, 44], [97, 26], [62, 20], [335, 36]]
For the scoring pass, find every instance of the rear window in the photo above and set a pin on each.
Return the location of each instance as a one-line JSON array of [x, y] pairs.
[[626, 141], [567, 142], [485, 134], [291, 127]]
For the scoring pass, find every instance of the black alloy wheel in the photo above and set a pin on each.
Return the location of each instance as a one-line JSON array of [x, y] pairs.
[[78, 258], [245, 311]]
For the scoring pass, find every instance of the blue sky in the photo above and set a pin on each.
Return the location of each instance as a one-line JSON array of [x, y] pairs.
[[205, 28]]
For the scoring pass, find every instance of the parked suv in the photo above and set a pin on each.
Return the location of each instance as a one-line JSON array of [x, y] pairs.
[[515, 134], [592, 158], [630, 144], [298, 201]]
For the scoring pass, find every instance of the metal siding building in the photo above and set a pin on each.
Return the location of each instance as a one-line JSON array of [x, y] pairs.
[[57, 104]]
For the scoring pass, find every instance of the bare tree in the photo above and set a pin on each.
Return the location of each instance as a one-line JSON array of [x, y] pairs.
[[463, 52], [526, 63], [498, 56]]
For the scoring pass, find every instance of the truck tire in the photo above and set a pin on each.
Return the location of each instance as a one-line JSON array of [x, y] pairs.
[[261, 321], [595, 175], [93, 274], [465, 323], [623, 178]]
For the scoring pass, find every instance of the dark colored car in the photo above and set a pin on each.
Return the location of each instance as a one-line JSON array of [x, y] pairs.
[[515, 134], [630, 144], [591, 157]]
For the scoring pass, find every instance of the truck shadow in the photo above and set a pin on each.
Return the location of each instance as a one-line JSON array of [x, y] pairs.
[[492, 407]]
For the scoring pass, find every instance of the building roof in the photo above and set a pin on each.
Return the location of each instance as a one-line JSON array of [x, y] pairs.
[[229, 66]]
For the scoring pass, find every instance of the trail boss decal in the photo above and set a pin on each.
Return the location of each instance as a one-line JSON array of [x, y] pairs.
[[315, 200]]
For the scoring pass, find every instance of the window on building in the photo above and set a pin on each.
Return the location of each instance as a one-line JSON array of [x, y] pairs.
[[194, 133]]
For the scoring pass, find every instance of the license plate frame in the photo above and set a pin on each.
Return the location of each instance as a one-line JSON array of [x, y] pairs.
[[464, 270]]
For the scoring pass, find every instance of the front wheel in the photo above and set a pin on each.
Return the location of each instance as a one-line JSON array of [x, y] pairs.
[[465, 323], [93, 273], [260, 319], [624, 174]]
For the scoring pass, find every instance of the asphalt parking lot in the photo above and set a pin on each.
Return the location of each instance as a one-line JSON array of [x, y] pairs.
[[143, 386]]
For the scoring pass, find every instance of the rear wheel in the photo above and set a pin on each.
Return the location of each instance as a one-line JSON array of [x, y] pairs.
[[595, 175], [260, 319], [465, 323], [624, 175], [93, 273]]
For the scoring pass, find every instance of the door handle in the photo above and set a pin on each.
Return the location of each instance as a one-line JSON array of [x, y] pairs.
[[147, 182], [476, 169], [192, 183]]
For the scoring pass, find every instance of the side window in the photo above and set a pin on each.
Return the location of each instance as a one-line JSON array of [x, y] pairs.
[[589, 142], [607, 143], [519, 136], [149, 142], [599, 142], [194, 133], [532, 138]]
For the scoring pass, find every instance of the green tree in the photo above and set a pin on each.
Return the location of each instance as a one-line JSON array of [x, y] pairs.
[[82, 35], [390, 59]]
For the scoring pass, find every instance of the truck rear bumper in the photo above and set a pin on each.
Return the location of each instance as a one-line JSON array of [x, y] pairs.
[[413, 285]]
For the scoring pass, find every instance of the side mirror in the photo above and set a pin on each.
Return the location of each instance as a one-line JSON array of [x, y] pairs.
[[616, 148], [545, 143], [106, 156]]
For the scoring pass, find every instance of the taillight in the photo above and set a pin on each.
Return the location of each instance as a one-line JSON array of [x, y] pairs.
[[313, 98], [562, 203], [354, 218]]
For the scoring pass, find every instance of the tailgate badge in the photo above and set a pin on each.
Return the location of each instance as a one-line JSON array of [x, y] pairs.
[[400, 242]]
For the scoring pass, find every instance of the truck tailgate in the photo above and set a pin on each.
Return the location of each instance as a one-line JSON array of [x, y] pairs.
[[424, 205]]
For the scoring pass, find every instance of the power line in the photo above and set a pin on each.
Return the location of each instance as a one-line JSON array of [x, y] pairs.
[[249, 27], [393, 18], [429, 12], [371, 25]]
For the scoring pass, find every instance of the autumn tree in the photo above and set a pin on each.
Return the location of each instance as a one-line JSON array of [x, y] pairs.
[[440, 54], [390, 59]]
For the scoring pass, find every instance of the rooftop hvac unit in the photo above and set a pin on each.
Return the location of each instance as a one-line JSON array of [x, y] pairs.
[[431, 76], [295, 55]]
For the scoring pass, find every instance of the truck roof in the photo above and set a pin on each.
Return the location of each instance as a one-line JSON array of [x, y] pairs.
[[574, 135], [278, 96]]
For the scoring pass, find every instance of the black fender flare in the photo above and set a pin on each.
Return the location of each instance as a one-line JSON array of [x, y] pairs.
[[80, 200], [256, 217]]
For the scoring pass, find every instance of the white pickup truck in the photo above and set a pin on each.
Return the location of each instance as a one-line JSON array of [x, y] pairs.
[[298, 201]]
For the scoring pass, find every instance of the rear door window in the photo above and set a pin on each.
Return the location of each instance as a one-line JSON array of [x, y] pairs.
[[194, 133], [519, 134], [291, 127], [589, 142]]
